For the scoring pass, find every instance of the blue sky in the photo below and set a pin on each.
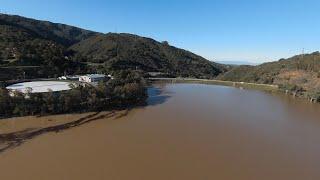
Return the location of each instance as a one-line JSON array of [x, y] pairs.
[[244, 30]]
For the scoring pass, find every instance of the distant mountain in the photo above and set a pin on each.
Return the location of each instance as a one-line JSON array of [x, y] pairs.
[[34, 48], [237, 63]]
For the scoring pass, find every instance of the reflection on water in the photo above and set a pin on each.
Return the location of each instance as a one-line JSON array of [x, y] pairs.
[[187, 131], [156, 96]]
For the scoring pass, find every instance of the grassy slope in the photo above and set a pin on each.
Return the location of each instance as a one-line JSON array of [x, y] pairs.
[[299, 74]]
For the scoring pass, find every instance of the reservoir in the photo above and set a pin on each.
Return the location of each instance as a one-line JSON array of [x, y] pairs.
[[186, 131]]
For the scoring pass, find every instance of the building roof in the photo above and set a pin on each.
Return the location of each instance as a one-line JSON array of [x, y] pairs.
[[40, 86], [95, 75]]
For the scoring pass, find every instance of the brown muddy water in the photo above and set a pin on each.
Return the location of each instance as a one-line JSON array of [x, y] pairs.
[[187, 132]]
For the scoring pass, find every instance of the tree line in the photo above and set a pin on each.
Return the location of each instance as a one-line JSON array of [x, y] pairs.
[[126, 89]]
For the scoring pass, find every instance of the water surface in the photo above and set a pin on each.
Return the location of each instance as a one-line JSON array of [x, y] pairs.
[[187, 132]]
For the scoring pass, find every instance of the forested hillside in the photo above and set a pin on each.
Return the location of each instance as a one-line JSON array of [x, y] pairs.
[[59, 33], [127, 51], [31, 48]]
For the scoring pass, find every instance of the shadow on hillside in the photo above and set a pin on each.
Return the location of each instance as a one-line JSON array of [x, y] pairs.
[[15, 139]]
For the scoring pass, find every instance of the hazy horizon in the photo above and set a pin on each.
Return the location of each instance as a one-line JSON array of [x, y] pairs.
[[229, 30]]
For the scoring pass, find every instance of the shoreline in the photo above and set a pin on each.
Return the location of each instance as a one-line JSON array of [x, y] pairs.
[[242, 85], [245, 85]]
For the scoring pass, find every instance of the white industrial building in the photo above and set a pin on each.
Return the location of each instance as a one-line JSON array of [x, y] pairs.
[[92, 78], [39, 87]]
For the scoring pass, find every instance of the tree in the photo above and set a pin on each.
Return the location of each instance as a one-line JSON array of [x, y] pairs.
[[5, 102], [20, 104], [166, 43], [50, 103], [1, 58], [127, 88]]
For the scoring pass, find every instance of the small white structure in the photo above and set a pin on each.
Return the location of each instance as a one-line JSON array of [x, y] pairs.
[[110, 76], [71, 78], [91, 78], [39, 87]]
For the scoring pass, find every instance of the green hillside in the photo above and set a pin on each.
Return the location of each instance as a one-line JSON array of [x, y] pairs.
[[299, 74], [32, 48], [127, 51], [60, 33]]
